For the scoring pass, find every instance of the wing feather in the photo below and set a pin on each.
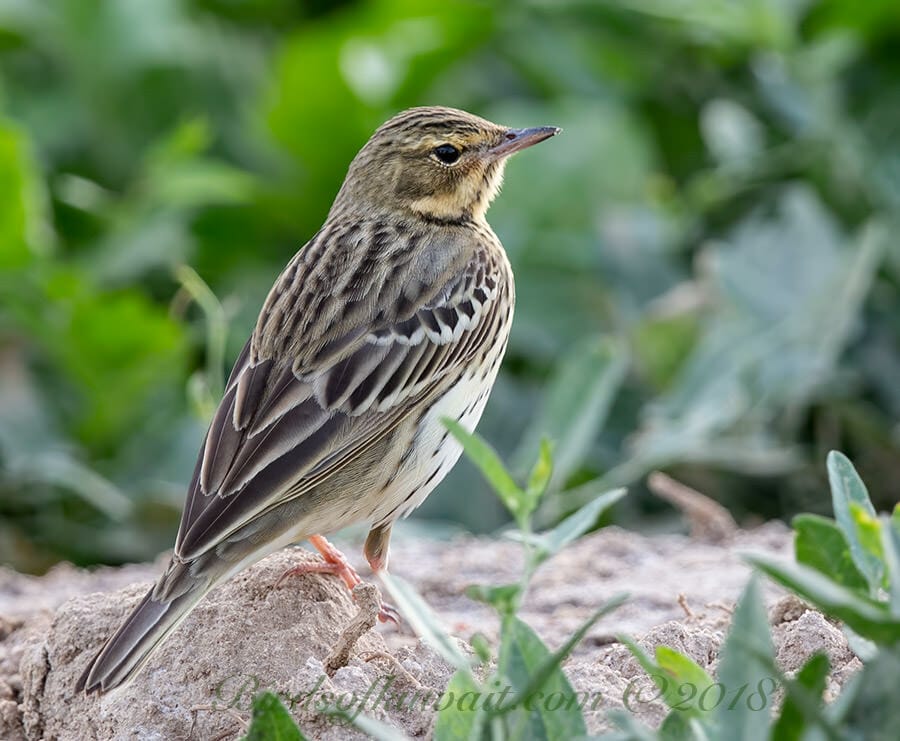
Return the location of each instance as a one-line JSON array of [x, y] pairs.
[[250, 390], [222, 443], [290, 420]]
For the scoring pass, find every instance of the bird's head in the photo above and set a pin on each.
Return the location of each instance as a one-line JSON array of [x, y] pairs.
[[440, 164]]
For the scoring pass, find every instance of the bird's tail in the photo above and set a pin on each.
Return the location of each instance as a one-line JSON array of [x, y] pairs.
[[151, 622]]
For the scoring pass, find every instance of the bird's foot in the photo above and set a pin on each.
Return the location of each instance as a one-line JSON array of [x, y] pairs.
[[336, 563]]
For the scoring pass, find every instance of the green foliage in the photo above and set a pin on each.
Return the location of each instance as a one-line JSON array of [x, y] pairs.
[[855, 517], [672, 672], [271, 721], [703, 261], [530, 667], [821, 544], [512, 701], [423, 621], [519, 502], [453, 723], [746, 660], [828, 573], [576, 405], [738, 704], [21, 209], [853, 571], [810, 680]]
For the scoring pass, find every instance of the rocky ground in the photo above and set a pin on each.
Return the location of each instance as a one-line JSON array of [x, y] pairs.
[[301, 639]]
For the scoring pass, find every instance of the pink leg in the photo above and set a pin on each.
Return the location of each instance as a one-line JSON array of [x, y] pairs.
[[336, 563]]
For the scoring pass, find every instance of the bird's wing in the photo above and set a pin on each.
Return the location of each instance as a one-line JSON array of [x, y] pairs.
[[282, 427]]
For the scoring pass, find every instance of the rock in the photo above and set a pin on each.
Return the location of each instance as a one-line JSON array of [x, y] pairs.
[[308, 641], [243, 638]]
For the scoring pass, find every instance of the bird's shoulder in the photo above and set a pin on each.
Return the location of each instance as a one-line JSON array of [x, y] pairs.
[[360, 276]]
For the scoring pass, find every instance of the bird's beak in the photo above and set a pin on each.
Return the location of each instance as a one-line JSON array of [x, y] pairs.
[[516, 139]]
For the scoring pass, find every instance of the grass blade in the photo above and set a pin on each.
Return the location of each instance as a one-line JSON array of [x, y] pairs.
[[488, 462], [578, 523], [423, 621], [575, 405], [540, 675], [744, 661]]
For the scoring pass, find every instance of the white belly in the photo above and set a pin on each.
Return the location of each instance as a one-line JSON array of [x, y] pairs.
[[435, 451]]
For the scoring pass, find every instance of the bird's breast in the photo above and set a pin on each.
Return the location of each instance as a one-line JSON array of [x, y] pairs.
[[431, 450]]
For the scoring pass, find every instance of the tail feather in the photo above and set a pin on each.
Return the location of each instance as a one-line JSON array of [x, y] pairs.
[[130, 646], [171, 600]]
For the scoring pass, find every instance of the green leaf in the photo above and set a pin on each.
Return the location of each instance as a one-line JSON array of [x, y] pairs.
[[201, 181], [188, 139], [676, 727], [578, 523], [810, 680], [891, 549], [744, 663], [682, 668], [864, 649], [847, 488], [535, 675], [868, 618], [482, 647], [539, 478], [492, 468], [874, 713], [457, 720], [423, 621], [554, 661], [177, 174], [271, 721], [633, 729], [822, 545], [61, 469], [23, 226], [662, 344], [643, 658], [868, 530], [680, 679], [217, 334], [122, 355], [503, 598], [575, 405]]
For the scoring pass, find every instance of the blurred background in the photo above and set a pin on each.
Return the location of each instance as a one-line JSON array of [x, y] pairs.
[[707, 258]]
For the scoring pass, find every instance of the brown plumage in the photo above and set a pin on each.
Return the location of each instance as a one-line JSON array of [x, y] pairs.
[[394, 315]]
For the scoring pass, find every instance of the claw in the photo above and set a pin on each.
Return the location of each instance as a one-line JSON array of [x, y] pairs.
[[389, 613], [336, 563], [308, 568]]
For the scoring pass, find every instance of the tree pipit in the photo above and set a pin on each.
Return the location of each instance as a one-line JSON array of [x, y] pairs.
[[393, 316]]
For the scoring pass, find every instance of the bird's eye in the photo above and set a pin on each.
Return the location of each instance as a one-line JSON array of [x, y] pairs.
[[446, 153]]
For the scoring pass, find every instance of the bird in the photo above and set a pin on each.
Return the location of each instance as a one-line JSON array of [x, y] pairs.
[[394, 316]]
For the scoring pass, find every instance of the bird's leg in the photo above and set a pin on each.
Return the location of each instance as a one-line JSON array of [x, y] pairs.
[[336, 563], [378, 546]]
